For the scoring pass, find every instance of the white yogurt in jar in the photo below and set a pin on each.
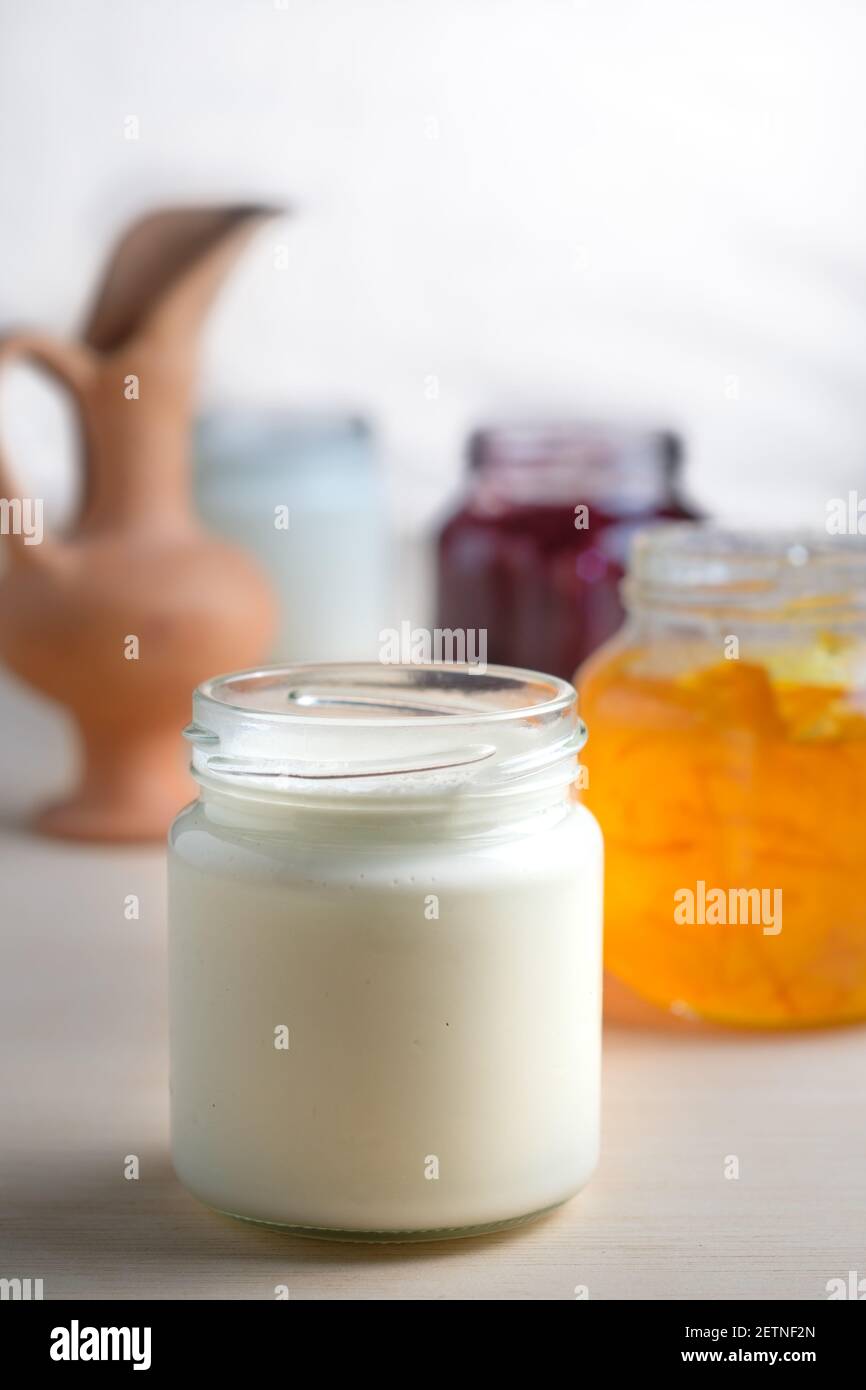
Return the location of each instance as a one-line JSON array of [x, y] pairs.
[[385, 940]]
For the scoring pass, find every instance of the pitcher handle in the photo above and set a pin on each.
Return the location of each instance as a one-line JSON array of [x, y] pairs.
[[71, 364]]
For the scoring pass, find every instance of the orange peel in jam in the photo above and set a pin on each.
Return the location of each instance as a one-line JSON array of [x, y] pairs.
[[736, 776]]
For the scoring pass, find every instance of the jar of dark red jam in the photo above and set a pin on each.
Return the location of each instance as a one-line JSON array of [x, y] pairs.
[[535, 554]]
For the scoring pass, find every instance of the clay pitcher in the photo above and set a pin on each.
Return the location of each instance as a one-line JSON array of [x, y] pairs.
[[120, 619]]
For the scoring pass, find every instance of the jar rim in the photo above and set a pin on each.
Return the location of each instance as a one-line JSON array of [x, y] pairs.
[[555, 694], [502, 727], [699, 564], [558, 461], [525, 440]]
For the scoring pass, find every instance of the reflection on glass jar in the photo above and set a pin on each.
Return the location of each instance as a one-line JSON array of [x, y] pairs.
[[728, 772], [302, 493], [536, 553]]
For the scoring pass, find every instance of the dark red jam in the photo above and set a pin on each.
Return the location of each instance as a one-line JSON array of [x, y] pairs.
[[536, 552]]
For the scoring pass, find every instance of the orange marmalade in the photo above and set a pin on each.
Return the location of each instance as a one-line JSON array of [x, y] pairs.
[[727, 767]]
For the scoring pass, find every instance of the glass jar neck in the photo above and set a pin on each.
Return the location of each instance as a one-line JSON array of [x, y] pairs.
[[359, 749], [556, 465], [350, 821], [698, 576]]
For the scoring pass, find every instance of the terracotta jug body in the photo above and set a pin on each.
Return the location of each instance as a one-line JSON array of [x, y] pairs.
[[120, 619]]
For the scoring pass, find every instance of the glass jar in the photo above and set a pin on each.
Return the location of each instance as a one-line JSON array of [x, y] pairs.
[[536, 552], [728, 773], [385, 951], [303, 494]]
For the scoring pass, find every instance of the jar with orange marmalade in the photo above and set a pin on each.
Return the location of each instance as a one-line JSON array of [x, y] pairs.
[[727, 767]]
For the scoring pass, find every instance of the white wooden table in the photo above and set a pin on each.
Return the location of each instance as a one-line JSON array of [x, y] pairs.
[[83, 1084]]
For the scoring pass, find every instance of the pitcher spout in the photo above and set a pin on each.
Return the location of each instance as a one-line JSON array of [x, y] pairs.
[[166, 271]]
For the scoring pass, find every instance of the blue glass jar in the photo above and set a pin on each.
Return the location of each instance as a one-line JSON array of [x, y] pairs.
[[302, 493]]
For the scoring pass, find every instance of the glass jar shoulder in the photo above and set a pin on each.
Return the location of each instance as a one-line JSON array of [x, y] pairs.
[[781, 681], [552, 845]]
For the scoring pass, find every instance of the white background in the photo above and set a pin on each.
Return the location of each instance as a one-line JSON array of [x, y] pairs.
[[647, 207]]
